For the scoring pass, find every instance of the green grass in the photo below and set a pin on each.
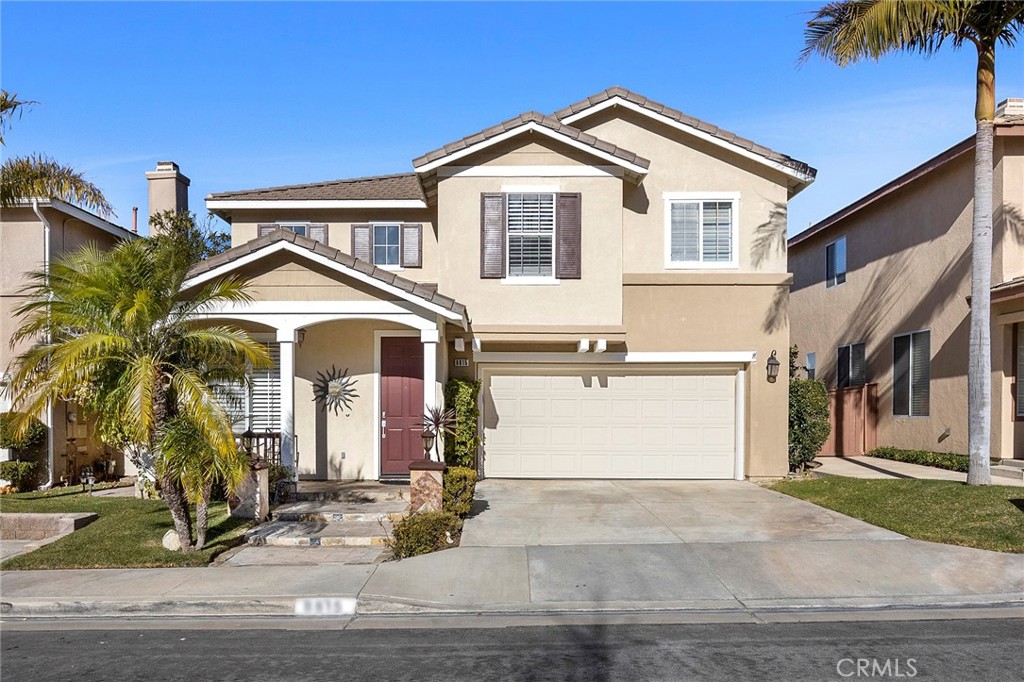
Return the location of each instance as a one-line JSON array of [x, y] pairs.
[[986, 517], [127, 533]]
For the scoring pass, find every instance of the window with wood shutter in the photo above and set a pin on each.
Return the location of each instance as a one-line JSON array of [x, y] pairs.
[[851, 366], [387, 240], [531, 234], [569, 232], [389, 245], [701, 232], [412, 245], [835, 262], [911, 370], [315, 231]]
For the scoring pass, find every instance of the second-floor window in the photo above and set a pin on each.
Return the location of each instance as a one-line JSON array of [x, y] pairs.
[[835, 262], [386, 241], [531, 234], [701, 231], [315, 231], [851, 366]]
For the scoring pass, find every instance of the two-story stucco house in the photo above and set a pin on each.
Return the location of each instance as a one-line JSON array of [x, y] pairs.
[[614, 274], [32, 235], [881, 296]]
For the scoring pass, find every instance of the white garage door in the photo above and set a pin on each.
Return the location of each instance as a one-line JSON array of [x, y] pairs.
[[599, 423]]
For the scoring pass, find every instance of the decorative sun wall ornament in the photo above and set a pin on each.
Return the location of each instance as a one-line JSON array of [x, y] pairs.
[[334, 390]]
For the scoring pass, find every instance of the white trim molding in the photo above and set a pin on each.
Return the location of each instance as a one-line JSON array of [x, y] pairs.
[[332, 264], [696, 132], [530, 127], [299, 204], [672, 358], [530, 172]]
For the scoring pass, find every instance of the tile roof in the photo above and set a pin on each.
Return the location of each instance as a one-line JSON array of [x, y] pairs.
[[398, 186], [424, 291], [680, 117], [548, 122]]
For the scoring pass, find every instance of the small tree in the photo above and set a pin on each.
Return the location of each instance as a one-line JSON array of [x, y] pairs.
[[808, 421]]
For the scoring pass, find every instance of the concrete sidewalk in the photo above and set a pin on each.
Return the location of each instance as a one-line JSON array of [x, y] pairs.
[[877, 468], [535, 549]]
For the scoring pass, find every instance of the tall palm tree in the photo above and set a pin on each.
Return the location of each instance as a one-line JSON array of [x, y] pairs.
[[851, 30], [39, 177], [123, 340]]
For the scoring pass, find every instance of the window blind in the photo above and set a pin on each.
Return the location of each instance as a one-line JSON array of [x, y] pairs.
[[531, 230], [911, 374], [265, 406]]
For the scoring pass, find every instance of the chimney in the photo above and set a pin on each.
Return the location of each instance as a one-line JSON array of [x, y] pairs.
[[168, 188], [1013, 106]]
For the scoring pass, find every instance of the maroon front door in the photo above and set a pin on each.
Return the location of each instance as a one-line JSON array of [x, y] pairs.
[[401, 403]]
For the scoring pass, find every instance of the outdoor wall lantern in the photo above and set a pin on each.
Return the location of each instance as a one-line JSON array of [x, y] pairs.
[[428, 443], [773, 368]]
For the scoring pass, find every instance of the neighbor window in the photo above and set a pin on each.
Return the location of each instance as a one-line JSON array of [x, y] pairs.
[[701, 232], [911, 370], [809, 367], [851, 368], [531, 234], [386, 240], [835, 262]]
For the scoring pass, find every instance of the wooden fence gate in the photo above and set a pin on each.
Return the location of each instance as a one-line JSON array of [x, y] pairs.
[[853, 415]]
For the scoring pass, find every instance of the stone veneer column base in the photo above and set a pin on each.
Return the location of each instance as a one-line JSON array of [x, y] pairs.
[[426, 486]]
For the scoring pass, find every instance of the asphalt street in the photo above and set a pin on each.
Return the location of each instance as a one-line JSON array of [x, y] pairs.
[[917, 649]]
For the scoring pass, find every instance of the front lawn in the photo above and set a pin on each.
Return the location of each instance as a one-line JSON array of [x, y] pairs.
[[127, 533], [986, 517]]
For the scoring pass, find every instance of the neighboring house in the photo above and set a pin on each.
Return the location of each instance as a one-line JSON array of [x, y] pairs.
[[32, 235], [881, 296], [614, 274]]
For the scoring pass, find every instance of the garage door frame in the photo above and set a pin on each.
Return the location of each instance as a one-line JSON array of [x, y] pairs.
[[651, 363]]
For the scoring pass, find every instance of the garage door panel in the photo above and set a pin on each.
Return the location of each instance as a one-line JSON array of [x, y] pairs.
[[592, 423]]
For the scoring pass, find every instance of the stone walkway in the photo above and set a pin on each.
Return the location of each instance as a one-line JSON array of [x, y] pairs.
[[873, 467]]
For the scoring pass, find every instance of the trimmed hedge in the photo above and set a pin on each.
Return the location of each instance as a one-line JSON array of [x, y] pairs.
[[939, 460], [808, 421], [422, 533], [460, 447], [20, 474], [9, 436], [459, 487]]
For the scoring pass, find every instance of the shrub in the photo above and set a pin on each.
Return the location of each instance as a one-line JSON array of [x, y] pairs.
[[460, 447], [20, 474], [939, 460], [808, 421], [422, 533], [278, 472], [459, 486], [9, 436]]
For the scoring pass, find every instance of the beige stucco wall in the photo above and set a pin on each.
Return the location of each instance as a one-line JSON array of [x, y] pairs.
[[244, 228], [908, 269], [669, 318], [286, 277], [682, 163], [594, 299]]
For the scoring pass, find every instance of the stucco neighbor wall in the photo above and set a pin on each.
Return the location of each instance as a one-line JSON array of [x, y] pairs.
[[908, 269]]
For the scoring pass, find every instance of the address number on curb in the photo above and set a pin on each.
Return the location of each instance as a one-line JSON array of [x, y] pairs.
[[325, 606]]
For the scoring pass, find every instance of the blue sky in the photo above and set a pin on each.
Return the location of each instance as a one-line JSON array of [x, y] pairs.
[[248, 95]]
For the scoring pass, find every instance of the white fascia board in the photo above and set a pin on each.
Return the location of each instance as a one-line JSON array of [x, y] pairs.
[[277, 247], [302, 204], [91, 219], [675, 358], [536, 128], [696, 132], [530, 172]]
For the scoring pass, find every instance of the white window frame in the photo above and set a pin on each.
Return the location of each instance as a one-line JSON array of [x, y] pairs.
[[910, 375], [293, 224], [374, 224], [846, 257], [532, 280], [700, 197]]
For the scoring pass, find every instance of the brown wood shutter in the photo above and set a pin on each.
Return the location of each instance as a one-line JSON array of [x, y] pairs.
[[412, 245], [492, 235], [362, 242], [317, 232], [568, 229], [265, 229]]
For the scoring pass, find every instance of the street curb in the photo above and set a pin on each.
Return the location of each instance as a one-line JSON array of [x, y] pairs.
[[156, 608]]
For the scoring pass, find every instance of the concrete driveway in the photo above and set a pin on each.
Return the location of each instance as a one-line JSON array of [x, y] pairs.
[[639, 512], [571, 545]]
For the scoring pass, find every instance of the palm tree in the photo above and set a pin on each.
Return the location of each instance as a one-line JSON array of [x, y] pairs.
[[38, 176], [123, 340], [849, 31]]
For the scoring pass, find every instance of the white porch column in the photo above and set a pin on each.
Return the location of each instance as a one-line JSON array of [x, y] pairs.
[[430, 339], [287, 338]]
